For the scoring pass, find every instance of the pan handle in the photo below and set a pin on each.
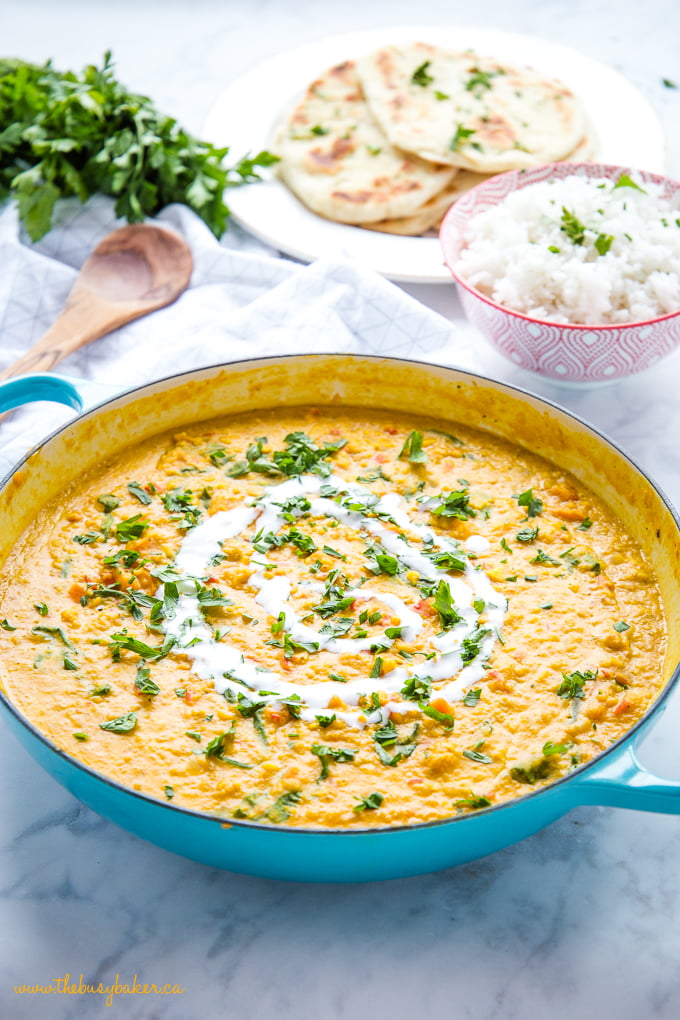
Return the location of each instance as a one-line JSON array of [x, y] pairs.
[[79, 394], [624, 782]]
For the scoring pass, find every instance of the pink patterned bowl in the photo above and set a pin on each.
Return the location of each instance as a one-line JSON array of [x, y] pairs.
[[565, 352]]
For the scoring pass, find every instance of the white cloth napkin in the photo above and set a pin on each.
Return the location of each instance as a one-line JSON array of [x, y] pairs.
[[243, 301]]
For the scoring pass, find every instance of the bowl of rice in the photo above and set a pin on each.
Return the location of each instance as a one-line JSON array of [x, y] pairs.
[[571, 270]]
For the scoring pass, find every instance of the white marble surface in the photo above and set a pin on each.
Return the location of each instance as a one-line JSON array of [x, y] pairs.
[[582, 919]]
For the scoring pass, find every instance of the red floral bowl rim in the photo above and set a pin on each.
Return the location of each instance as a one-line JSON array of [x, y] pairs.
[[527, 177]]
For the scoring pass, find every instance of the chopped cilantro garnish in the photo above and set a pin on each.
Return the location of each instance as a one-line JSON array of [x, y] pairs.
[[420, 75], [418, 688], [144, 683], [412, 449], [370, 803], [479, 80], [473, 802], [572, 685], [550, 748], [133, 527], [572, 227], [461, 134], [444, 718], [454, 504], [443, 603], [122, 724], [533, 506], [140, 494], [603, 243], [477, 756], [333, 552], [99, 690], [108, 502], [325, 753], [472, 697], [625, 181]]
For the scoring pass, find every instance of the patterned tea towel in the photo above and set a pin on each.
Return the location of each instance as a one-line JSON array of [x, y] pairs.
[[243, 301]]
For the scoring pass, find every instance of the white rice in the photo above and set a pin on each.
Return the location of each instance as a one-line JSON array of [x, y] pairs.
[[510, 255]]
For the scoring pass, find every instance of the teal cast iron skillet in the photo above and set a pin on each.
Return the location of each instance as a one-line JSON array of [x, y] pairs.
[[614, 778]]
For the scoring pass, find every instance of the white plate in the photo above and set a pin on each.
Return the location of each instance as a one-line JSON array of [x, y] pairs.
[[245, 116]]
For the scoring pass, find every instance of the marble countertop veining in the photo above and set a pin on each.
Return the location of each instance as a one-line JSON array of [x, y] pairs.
[[581, 919]]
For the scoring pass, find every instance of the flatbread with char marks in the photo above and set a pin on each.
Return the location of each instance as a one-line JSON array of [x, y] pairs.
[[468, 111], [337, 160]]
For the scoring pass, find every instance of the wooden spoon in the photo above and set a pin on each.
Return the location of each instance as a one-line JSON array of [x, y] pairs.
[[134, 270]]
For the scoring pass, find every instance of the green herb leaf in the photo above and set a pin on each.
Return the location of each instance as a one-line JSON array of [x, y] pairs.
[[144, 683], [417, 688], [461, 134], [572, 685], [532, 506], [108, 502], [454, 504], [572, 227], [473, 802], [99, 690], [132, 528], [420, 75], [443, 603], [603, 243], [370, 803], [482, 759], [550, 748], [279, 812], [527, 535], [54, 632], [326, 753], [412, 449], [472, 697], [625, 181], [140, 494], [441, 717], [123, 724]]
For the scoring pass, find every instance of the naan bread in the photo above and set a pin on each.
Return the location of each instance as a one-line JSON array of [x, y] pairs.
[[469, 111], [337, 160], [430, 216]]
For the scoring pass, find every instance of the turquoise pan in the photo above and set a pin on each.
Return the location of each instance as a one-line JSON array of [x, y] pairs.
[[614, 778]]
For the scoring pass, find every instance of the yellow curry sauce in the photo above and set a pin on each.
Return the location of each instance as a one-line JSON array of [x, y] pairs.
[[419, 623]]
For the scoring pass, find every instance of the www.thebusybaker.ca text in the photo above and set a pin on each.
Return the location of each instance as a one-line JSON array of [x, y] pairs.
[[67, 985]]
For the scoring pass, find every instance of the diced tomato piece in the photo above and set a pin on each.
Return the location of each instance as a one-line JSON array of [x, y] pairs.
[[623, 705]]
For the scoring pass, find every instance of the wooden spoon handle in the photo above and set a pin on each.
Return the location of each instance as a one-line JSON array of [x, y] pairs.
[[85, 317]]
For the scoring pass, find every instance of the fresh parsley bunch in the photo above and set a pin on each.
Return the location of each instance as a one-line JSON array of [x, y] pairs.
[[62, 134]]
